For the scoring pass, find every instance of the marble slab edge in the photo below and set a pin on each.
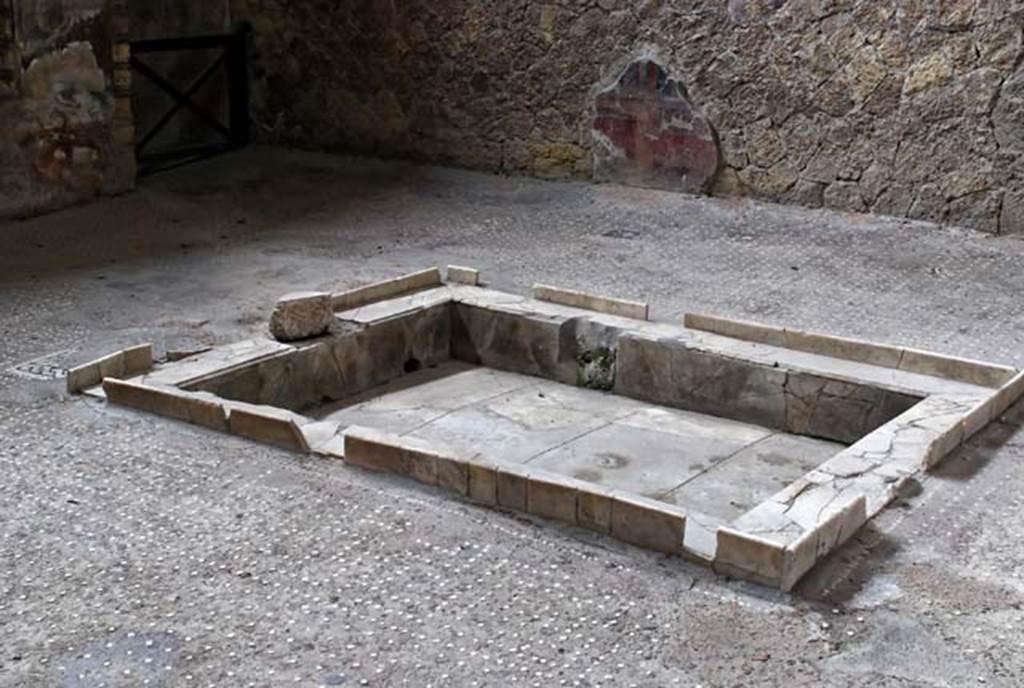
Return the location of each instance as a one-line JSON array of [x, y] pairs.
[[385, 289], [461, 274], [265, 424], [780, 539], [123, 363], [884, 355], [633, 519], [594, 302]]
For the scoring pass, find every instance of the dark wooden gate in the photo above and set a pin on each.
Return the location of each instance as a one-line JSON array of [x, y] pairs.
[[206, 78]]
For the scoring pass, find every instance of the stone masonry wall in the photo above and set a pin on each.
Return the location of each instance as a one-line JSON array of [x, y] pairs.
[[66, 127], [910, 108]]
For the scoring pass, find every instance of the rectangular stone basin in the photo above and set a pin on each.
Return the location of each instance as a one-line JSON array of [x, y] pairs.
[[755, 458]]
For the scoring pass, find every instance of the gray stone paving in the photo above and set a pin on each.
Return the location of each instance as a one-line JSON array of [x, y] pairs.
[[126, 538]]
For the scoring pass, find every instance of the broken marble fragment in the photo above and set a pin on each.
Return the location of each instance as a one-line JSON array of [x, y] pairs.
[[301, 315]]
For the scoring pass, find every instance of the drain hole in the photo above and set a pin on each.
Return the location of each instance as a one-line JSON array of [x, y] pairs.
[[412, 365]]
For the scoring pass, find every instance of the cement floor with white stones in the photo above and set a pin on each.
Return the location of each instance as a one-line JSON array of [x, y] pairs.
[[135, 551]]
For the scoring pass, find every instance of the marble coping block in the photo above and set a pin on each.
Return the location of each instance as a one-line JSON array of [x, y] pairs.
[[594, 508], [1008, 395], [397, 307], [324, 437], [463, 275], [631, 518], [378, 291], [834, 528], [483, 483], [414, 458], [770, 546], [168, 402], [581, 299], [648, 523], [887, 356], [263, 425], [128, 362], [216, 362], [779, 540]]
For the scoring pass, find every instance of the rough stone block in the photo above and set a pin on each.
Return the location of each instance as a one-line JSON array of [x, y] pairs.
[[602, 304], [512, 487], [647, 523], [551, 496], [462, 275], [267, 428], [378, 291], [301, 315]]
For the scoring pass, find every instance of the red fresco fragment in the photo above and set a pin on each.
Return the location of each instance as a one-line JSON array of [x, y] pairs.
[[648, 133]]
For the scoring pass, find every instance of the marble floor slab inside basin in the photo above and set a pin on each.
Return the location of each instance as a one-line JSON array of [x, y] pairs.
[[713, 467]]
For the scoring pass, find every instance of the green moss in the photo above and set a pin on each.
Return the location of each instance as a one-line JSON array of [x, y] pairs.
[[595, 369]]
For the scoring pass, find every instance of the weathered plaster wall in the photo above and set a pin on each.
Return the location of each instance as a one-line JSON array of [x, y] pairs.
[[909, 108], [66, 132]]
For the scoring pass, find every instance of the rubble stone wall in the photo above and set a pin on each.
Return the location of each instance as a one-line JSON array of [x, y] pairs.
[[65, 112], [911, 108]]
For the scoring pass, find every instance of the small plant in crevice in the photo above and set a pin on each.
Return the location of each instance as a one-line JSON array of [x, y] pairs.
[[595, 368]]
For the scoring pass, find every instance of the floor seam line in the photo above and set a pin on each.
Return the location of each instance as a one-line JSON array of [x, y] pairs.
[[719, 463], [465, 406], [606, 424]]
